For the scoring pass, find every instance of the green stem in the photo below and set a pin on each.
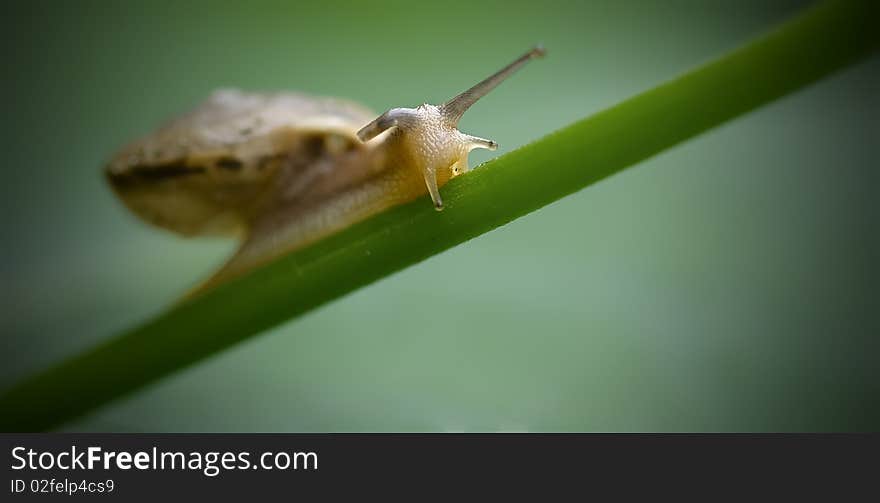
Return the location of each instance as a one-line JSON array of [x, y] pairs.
[[823, 39]]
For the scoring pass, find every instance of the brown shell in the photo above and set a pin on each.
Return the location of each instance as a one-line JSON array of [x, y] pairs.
[[199, 173]]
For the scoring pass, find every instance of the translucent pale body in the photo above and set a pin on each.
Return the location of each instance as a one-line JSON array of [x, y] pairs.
[[286, 169]]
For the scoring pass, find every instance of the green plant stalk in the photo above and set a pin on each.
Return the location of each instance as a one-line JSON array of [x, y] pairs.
[[819, 41]]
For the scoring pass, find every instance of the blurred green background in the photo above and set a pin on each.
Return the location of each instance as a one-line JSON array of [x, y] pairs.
[[728, 284]]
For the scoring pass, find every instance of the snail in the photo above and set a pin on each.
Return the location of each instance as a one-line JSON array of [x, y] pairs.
[[282, 170]]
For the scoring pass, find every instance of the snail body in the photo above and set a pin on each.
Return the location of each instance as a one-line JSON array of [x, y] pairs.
[[282, 170]]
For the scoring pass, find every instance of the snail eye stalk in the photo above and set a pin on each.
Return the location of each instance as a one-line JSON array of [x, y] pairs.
[[456, 107]]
